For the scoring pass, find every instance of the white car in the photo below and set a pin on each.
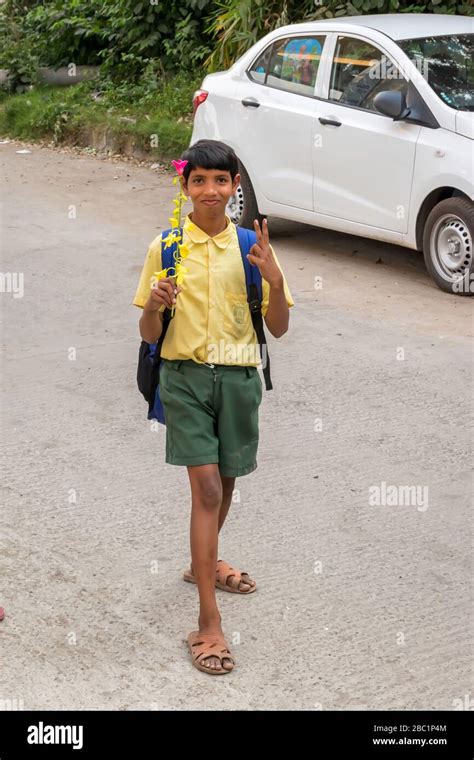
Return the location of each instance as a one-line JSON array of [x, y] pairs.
[[361, 124]]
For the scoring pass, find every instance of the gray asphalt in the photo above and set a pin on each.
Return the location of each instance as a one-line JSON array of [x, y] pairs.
[[359, 605]]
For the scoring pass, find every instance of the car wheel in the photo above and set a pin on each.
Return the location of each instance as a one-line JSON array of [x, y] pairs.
[[242, 207], [448, 245]]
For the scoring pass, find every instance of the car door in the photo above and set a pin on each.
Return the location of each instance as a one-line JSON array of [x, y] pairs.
[[363, 161], [276, 118]]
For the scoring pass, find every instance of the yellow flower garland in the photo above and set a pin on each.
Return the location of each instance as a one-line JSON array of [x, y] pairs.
[[175, 236]]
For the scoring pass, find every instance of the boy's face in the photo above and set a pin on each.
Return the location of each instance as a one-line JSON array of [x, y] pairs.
[[210, 189]]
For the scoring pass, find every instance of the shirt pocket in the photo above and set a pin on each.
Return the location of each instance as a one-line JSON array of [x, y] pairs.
[[237, 320]]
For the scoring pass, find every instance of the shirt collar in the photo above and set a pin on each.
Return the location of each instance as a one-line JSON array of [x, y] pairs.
[[197, 235]]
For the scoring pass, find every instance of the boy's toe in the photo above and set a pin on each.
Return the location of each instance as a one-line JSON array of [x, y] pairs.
[[234, 582], [247, 581], [213, 663]]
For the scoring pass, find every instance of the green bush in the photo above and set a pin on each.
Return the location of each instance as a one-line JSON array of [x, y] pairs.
[[62, 114], [123, 35], [126, 37], [17, 45]]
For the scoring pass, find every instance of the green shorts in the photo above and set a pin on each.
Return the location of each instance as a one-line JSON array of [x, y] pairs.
[[211, 414]]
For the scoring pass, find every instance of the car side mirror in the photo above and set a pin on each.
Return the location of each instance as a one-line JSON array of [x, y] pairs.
[[392, 103]]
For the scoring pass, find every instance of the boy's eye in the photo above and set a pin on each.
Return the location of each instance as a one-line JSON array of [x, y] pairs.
[[221, 180]]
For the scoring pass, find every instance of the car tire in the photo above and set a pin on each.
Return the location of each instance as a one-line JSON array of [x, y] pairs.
[[448, 239], [242, 207]]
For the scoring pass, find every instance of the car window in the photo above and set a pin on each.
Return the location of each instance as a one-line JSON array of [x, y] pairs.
[[290, 64], [360, 71], [447, 64], [258, 70]]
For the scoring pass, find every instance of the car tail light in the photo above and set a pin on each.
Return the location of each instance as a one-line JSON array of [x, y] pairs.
[[198, 98]]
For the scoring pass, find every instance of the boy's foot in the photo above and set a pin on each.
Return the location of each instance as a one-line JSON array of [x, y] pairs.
[[228, 579], [210, 652]]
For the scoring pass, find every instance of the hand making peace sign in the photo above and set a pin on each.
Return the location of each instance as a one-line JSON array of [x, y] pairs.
[[261, 255]]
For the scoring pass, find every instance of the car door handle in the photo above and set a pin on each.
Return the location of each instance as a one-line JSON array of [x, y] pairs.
[[326, 120], [250, 102]]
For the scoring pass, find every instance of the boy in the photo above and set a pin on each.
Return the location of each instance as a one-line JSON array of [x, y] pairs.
[[211, 404]]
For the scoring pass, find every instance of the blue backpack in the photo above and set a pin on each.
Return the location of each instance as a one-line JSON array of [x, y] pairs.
[[149, 358]]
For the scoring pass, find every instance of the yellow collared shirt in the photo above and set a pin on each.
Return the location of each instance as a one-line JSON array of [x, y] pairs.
[[212, 321]]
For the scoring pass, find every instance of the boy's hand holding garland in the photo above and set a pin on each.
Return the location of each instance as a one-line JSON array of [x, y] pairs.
[[163, 293]]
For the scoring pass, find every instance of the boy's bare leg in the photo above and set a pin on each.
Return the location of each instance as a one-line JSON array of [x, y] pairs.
[[228, 485], [227, 491], [206, 497]]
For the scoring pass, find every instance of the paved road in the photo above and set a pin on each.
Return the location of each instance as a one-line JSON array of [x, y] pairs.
[[360, 605]]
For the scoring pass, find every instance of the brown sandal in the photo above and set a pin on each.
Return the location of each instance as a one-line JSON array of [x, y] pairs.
[[223, 572], [204, 645]]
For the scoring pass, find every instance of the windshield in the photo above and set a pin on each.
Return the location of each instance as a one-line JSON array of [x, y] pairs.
[[448, 65]]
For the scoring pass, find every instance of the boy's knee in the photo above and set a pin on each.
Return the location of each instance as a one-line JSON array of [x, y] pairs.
[[209, 492]]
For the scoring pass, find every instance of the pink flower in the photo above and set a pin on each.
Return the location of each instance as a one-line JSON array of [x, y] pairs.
[[179, 166]]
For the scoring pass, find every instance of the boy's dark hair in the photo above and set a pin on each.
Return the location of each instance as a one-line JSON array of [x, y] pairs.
[[210, 154]]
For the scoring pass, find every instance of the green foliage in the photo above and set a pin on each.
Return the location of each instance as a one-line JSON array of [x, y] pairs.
[[123, 35], [235, 25], [17, 44], [183, 51], [128, 36], [64, 113]]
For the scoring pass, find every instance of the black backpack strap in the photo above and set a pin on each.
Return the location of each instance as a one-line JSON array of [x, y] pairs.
[[253, 280], [255, 305]]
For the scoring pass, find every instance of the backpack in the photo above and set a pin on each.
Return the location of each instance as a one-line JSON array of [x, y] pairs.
[[149, 355]]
